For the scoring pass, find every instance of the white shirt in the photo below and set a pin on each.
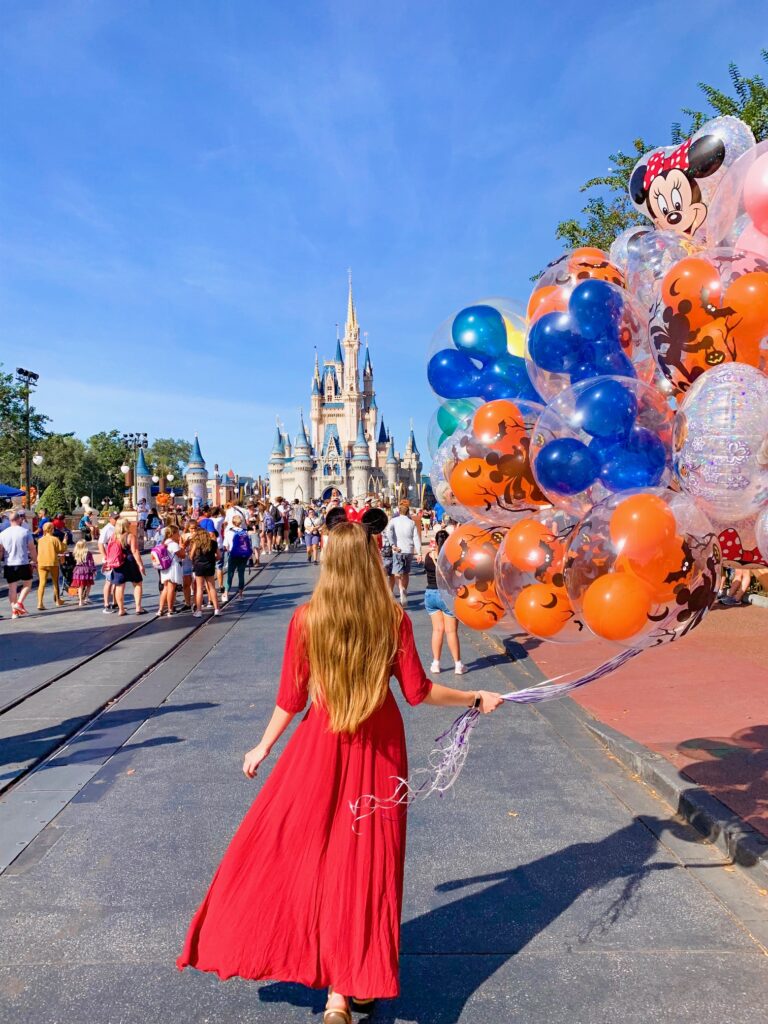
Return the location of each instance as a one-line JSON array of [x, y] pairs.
[[235, 511], [403, 534], [175, 572], [14, 541], [106, 535]]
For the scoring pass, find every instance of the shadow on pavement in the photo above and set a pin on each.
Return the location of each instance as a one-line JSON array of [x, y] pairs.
[[34, 745], [734, 769], [449, 952]]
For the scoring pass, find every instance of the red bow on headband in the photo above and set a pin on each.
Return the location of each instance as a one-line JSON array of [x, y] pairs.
[[732, 549], [659, 162]]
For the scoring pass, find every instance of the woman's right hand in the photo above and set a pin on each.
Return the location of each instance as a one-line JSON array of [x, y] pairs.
[[489, 700]]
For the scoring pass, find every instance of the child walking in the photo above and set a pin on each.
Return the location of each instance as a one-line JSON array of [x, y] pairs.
[[84, 573]]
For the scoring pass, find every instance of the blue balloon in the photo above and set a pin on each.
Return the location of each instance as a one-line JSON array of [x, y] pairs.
[[637, 462], [566, 466], [506, 377], [480, 331], [554, 342], [607, 409], [596, 307], [583, 371], [615, 364], [452, 374]]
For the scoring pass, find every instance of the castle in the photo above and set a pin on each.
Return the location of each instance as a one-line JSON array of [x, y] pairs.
[[347, 449]]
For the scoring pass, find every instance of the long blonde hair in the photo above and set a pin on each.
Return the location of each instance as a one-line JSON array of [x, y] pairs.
[[351, 629], [80, 552]]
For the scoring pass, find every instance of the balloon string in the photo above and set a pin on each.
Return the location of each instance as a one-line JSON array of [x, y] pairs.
[[447, 759]]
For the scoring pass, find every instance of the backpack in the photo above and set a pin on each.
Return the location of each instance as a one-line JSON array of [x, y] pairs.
[[161, 557], [241, 545], [269, 521], [115, 553]]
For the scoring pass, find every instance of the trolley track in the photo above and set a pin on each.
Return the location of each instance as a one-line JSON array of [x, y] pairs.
[[84, 722]]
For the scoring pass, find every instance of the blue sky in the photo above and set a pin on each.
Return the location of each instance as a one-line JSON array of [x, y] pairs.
[[184, 184]]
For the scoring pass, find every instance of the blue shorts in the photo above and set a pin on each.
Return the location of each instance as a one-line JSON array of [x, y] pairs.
[[434, 603], [311, 539], [401, 563]]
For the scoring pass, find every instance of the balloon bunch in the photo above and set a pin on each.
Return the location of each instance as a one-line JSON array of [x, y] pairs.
[[590, 514]]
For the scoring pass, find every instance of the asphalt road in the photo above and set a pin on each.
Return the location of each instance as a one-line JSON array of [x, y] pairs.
[[550, 888]]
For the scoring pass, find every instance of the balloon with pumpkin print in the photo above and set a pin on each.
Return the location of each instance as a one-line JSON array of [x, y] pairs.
[[709, 310], [530, 578], [558, 279], [466, 576], [642, 569], [491, 475]]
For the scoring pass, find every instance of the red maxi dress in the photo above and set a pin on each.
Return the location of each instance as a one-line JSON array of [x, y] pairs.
[[300, 895]]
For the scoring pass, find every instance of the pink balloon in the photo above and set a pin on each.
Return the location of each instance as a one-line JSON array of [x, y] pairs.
[[752, 240], [756, 193]]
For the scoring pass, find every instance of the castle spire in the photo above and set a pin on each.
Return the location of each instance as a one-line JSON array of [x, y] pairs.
[[351, 313]]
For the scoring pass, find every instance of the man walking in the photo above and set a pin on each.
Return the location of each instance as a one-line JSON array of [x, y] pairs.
[[404, 538], [18, 548], [105, 536]]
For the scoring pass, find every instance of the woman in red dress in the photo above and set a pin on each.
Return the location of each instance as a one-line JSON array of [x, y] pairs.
[[301, 895]]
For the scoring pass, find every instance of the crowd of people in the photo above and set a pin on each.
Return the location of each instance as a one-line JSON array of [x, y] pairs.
[[201, 557]]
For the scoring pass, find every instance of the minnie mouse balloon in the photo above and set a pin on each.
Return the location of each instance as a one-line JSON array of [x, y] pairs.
[[674, 185], [721, 442]]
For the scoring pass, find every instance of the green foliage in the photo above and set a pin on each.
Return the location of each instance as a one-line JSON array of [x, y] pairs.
[[168, 454], [55, 500], [13, 428], [62, 466], [610, 211], [101, 467]]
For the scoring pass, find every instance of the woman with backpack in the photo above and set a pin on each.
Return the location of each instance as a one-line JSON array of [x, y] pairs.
[[332, 918], [167, 556], [237, 544], [124, 559]]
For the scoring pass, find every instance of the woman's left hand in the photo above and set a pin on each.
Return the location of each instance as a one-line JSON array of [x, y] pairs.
[[253, 759]]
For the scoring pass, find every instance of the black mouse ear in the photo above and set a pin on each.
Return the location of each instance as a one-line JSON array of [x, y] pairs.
[[637, 191], [374, 520], [334, 517], [705, 156]]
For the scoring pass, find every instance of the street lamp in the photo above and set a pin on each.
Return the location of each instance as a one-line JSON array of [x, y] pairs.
[[28, 379], [133, 442]]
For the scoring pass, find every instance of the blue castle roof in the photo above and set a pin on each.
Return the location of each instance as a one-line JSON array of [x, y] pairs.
[[141, 465], [382, 433], [278, 448], [391, 453]]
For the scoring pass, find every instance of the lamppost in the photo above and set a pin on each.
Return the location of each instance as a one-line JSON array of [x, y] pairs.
[[37, 460], [132, 442], [28, 379]]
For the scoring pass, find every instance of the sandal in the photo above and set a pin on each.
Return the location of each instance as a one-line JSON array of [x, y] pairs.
[[336, 1016]]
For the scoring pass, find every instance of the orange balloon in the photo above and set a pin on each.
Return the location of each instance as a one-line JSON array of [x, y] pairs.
[[668, 569], [588, 262], [523, 544], [616, 606], [693, 287], [499, 424], [641, 526], [479, 609], [747, 296], [550, 298], [470, 481], [542, 610]]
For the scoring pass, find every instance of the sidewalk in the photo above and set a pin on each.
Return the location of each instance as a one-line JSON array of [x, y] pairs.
[[702, 704]]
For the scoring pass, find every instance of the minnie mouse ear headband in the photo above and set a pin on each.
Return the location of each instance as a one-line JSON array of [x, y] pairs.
[[373, 520]]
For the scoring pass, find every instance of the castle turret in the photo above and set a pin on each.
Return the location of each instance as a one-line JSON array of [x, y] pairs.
[[390, 467], [276, 465], [302, 465], [361, 463], [143, 479], [196, 476]]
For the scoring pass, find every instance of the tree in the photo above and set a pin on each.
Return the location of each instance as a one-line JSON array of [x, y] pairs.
[[63, 461], [13, 428], [169, 455], [55, 500], [610, 211], [104, 455]]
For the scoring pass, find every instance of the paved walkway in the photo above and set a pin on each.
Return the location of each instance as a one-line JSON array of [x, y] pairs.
[[552, 888]]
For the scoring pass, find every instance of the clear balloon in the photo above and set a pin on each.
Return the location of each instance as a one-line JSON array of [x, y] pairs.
[[738, 216], [443, 461], [675, 185], [624, 245], [452, 415], [599, 437], [649, 259], [466, 576], [601, 330], [478, 353], [489, 472], [530, 578], [710, 309], [642, 569], [721, 442]]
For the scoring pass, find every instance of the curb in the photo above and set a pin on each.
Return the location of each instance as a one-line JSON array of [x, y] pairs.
[[718, 824]]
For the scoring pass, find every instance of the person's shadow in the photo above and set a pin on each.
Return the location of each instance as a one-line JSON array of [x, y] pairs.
[[501, 914]]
